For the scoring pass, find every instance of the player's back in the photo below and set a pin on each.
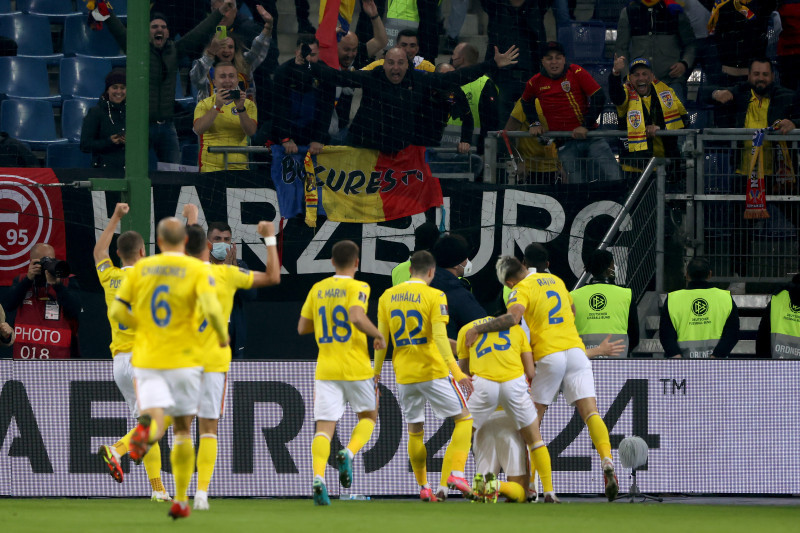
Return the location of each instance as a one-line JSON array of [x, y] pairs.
[[163, 293], [228, 279], [343, 351], [410, 309], [496, 355], [548, 313], [111, 277]]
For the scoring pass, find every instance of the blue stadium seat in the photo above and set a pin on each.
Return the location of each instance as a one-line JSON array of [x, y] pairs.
[[81, 40], [180, 95], [83, 77], [600, 72], [67, 155], [583, 41], [32, 34], [120, 7], [55, 10], [608, 11], [30, 121], [5, 6], [26, 78], [189, 154], [72, 113]]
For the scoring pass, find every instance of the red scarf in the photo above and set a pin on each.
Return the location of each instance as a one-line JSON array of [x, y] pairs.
[[756, 196]]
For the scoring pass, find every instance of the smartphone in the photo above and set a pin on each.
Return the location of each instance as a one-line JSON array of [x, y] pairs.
[[235, 94], [222, 32]]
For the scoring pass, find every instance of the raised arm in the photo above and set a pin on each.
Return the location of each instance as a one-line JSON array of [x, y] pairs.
[[379, 37], [193, 42], [104, 241], [272, 276], [512, 318]]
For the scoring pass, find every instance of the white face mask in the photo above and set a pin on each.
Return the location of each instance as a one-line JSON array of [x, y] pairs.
[[468, 268], [219, 250]]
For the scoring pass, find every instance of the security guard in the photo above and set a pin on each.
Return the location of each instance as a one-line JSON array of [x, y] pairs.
[[603, 308], [424, 238], [701, 321], [779, 331]]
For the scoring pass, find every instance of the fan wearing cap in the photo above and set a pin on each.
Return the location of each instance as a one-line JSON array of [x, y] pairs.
[[571, 100], [103, 129], [452, 267], [645, 105]]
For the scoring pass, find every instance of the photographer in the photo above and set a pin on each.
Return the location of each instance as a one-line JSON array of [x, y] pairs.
[[46, 323], [225, 118]]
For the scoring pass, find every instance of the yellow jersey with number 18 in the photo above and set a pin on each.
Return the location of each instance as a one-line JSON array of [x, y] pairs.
[[410, 309], [548, 313], [229, 279], [497, 355], [343, 351], [110, 279], [162, 292]]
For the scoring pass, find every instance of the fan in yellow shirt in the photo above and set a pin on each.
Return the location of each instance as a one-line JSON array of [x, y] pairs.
[[228, 279], [160, 298], [500, 362], [415, 316], [561, 362], [335, 311], [130, 248]]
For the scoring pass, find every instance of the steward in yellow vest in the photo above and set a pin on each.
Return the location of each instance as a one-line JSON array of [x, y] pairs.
[[644, 106], [779, 330], [603, 308], [424, 238], [701, 321]]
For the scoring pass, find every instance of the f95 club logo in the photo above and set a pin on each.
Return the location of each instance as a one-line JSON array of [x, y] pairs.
[[29, 214]]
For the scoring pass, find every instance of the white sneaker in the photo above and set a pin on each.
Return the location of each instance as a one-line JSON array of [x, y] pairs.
[[200, 501], [441, 494], [610, 478], [533, 489], [162, 496], [550, 497]]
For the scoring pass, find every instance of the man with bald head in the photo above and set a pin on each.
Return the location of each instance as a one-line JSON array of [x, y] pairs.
[[47, 309], [386, 119], [481, 96], [168, 298]]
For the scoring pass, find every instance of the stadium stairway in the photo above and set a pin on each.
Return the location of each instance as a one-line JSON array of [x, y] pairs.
[[750, 308]]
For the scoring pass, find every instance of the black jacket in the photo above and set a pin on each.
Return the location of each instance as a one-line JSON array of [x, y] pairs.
[[385, 119], [740, 39], [461, 303], [303, 103], [434, 113], [763, 340], [100, 123], [521, 26], [732, 115], [164, 62], [15, 154], [728, 339]]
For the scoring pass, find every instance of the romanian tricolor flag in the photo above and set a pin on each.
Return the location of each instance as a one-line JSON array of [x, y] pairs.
[[360, 185], [326, 33]]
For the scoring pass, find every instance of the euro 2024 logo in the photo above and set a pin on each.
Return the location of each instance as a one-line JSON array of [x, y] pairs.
[[26, 217]]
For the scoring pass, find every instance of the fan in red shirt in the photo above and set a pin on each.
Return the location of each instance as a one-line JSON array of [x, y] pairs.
[[571, 100]]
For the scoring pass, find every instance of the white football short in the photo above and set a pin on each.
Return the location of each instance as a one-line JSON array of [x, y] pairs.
[[331, 397], [212, 395], [569, 371], [123, 377], [176, 390], [443, 394], [511, 395], [498, 445]]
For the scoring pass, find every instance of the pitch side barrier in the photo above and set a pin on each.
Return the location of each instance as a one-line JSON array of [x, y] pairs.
[[694, 415]]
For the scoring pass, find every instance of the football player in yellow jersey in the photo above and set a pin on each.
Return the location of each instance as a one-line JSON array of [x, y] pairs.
[[335, 311], [415, 316], [229, 279], [500, 362], [159, 297], [561, 361], [130, 248]]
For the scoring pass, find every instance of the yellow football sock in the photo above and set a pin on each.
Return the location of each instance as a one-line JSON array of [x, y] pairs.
[[320, 451], [599, 434], [122, 444], [513, 491], [418, 455], [182, 458], [206, 459], [152, 465], [361, 435], [455, 456], [540, 460], [153, 430]]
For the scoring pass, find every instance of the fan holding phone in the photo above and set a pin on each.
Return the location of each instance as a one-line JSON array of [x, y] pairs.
[[225, 118]]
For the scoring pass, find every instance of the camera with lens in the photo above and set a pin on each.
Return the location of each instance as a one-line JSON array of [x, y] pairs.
[[59, 269]]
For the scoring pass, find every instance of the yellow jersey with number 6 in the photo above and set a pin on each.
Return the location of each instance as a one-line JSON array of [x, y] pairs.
[[111, 277], [548, 313], [497, 355], [229, 279], [162, 293], [343, 351]]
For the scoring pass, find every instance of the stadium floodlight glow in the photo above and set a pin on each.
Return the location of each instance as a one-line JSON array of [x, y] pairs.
[[633, 454]]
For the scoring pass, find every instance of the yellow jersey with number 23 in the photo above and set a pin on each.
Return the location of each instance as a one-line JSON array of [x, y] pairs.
[[496, 355]]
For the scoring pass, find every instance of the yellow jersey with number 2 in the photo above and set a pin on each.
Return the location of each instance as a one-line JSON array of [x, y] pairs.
[[162, 293], [548, 313], [343, 351], [111, 277], [229, 279]]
